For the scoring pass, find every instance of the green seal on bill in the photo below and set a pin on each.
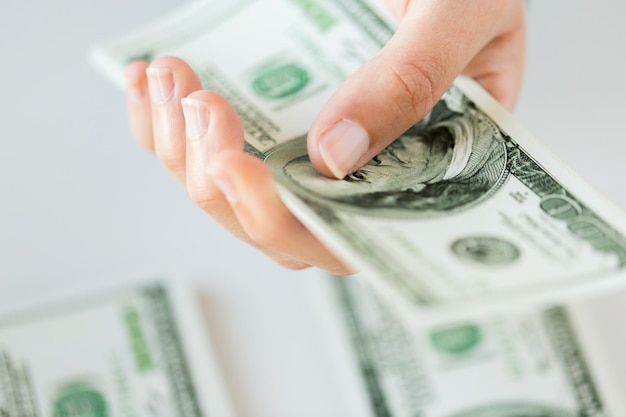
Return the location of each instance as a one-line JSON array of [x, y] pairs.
[[79, 400], [456, 340], [275, 82], [486, 250]]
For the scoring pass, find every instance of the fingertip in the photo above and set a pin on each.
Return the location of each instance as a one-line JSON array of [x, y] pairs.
[[315, 155], [341, 148], [225, 130], [185, 78], [136, 71], [167, 61], [213, 99], [138, 103]]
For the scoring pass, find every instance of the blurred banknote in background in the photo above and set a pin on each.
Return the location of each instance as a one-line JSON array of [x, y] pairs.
[[526, 363], [465, 210], [139, 351]]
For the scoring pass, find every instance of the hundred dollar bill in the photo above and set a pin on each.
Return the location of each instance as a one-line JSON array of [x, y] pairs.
[[529, 363], [465, 209], [132, 352]]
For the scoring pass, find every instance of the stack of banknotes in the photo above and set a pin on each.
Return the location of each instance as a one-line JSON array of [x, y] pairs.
[[477, 268], [136, 351], [145, 350], [527, 362]]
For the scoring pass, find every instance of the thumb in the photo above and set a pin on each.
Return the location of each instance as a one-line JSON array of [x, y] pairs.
[[434, 42]]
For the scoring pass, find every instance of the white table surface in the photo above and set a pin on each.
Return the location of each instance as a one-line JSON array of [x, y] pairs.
[[81, 201]]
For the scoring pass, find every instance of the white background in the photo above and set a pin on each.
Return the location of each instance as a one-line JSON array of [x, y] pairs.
[[81, 201]]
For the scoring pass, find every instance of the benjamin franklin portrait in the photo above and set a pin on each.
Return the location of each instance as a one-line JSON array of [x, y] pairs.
[[453, 158]]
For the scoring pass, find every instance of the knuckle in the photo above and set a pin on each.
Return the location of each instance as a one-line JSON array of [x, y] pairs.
[[417, 86], [170, 160], [266, 236], [207, 200]]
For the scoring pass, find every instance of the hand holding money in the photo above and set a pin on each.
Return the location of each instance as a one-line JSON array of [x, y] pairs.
[[201, 139], [436, 220], [435, 42]]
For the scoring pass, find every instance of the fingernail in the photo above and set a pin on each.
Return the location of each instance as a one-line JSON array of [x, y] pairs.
[[342, 146], [225, 185], [160, 84], [196, 117]]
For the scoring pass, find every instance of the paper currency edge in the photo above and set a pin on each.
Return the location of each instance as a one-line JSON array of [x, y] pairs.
[[97, 53], [599, 365], [98, 57], [597, 203], [194, 333], [325, 302]]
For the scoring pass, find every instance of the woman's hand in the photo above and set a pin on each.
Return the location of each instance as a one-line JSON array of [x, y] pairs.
[[198, 136], [436, 41]]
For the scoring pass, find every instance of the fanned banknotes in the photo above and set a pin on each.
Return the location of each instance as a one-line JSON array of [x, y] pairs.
[[466, 209], [527, 362], [137, 351]]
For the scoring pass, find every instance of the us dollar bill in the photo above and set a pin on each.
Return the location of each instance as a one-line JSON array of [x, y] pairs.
[[465, 209], [529, 363], [138, 351]]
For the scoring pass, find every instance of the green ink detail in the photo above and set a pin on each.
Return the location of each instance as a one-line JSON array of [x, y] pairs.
[[486, 250], [138, 341], [79, 400], [456, 340], [281, 81], [322, 18]]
